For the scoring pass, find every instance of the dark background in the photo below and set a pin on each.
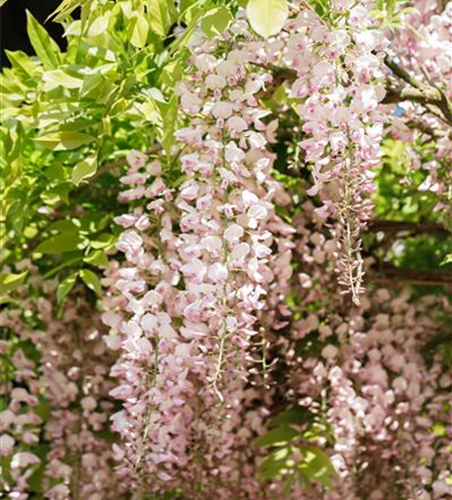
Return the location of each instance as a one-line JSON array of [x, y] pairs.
[[13, 25]]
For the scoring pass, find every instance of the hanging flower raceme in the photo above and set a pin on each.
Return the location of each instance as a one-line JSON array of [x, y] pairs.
[[74, 379], [337, 92], [62, 397], [200, 259], [424, 52], [375, 381], [20, 422]]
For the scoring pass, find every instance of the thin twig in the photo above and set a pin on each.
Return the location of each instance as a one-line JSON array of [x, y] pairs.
[[418, 92], [392, 226], [393, 275]]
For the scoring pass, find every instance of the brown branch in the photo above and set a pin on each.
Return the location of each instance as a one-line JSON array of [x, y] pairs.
[[442, 5], [416, 92], [394, 276], [280, 76], [402, 73], [424, 128], [392, 226]]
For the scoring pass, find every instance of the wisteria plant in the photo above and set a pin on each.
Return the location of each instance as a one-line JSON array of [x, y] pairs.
[[226, 255]]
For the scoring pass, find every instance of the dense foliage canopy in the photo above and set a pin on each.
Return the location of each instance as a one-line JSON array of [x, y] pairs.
[[226, 263]]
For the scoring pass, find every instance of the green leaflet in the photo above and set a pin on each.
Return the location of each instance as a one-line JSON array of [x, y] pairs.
[[267, 17], [46, 49], [61, 243], [281, 434], [138, 31], [11, 281], [162, 14], [65, 287], [91, 280], [84, 169], [216, 21], [62, 141]]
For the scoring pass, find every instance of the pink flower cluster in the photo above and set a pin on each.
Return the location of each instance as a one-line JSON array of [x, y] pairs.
[[60, 402], [337, 94], [202, 296], [424, 48], [202, 255], [382, 379]]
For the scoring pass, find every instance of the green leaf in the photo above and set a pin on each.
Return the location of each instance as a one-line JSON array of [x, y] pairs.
[[99, 25], [445, 351], [447, 260], [91, 280], [43, 408], [22, 61], [91, 84], [172, 73], [267, 17], [408, 10], [64, 9], [390, 5], [316, 465], [169, 116], [281, 434], [65, 287], [104, 240], [439, 429], [193, 21], [2, 2], [216, 21], [138, 31], [11, 281], [84, 169], [316, 431], [288, 484], [62, 141], [64, 226], [46, 49], [58, 78], [272, 465], [97, 258], [162, 14], [61, 243]]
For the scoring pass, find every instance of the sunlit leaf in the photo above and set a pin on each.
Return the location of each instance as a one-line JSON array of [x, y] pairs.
[[267, 17], [91, 280], [84, 169], [62, 141], [99, 25], [169, 117], [162, 14], [316, 465], [46, 49], [60, 78], [22, 61], [65, 9], [104, 240], [65, 287], [11, 281], [97, 258], [138, 31], [61, 243], [280, 434], [217, 21]]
